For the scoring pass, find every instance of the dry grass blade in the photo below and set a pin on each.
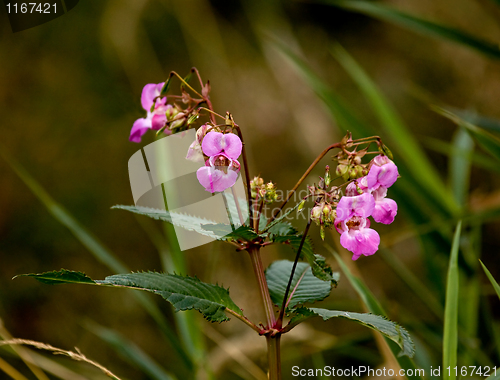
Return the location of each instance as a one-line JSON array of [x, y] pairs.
[[78, 356]]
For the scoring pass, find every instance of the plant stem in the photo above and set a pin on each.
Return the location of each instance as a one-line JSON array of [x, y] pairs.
[[247, 176], [311, 167], [285, 298], [274, 356], [258, 269]]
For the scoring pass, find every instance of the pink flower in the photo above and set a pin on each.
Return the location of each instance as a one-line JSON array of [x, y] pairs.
[[383, 172], [360, 205], [385, 209], [216, 143], [357, 237], [153, 120], [219, 173]]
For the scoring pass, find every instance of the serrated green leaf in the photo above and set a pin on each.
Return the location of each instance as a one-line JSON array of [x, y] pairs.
[[378, 323], [96, 248], [305, 287], [188, 222], [374, 307], [183, 292], [281, 229], [226, 233], [63, 276], [418, 25]]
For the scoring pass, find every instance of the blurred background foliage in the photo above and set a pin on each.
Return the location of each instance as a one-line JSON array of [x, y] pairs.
[[295, 75]]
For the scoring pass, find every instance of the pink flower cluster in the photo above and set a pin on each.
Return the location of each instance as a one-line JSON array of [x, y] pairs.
[[367, 197], [154, 119], [221, 169]]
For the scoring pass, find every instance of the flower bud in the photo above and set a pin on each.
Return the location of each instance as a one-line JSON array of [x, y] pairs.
[[301, 205], [316, 214], [328, 179]]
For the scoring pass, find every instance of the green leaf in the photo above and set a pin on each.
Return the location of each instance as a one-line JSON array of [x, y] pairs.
[[317, 262], [96, 248], [375, 308], [489, 142], [418, 25], [450, 336], [281, 229], [226, 233], [183, 292], [188, 222], [166, 86], [492, 280], [63, 276], [378, 323], [305, 287]]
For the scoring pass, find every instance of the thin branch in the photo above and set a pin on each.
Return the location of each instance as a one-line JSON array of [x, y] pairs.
[[283, 304], [244, 319], [311, 167]]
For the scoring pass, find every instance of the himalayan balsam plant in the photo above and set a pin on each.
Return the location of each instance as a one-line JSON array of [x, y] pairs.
[[347, 202]]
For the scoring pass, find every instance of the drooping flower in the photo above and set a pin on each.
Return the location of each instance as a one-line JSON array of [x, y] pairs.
[[221, 169], [385, 209], [219, 173], [216, 143], [357, 237], [153, 120], [383, 172], [353, 224]]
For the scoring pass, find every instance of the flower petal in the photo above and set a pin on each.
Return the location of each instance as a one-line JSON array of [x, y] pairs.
[[139, 128], [158, 121], [212, 143], [360, 242], [360, 205], [215, 180], [385, 210], [232, 145], [384, 175]]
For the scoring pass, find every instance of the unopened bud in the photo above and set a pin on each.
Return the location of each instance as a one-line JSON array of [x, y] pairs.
[[316, 214], [353, 173], [385, 150], [301, 205], [328, 179], [322, 232]]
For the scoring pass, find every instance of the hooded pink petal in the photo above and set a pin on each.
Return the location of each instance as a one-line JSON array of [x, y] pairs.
[[149, 92], [383, 172], [360, 205]]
